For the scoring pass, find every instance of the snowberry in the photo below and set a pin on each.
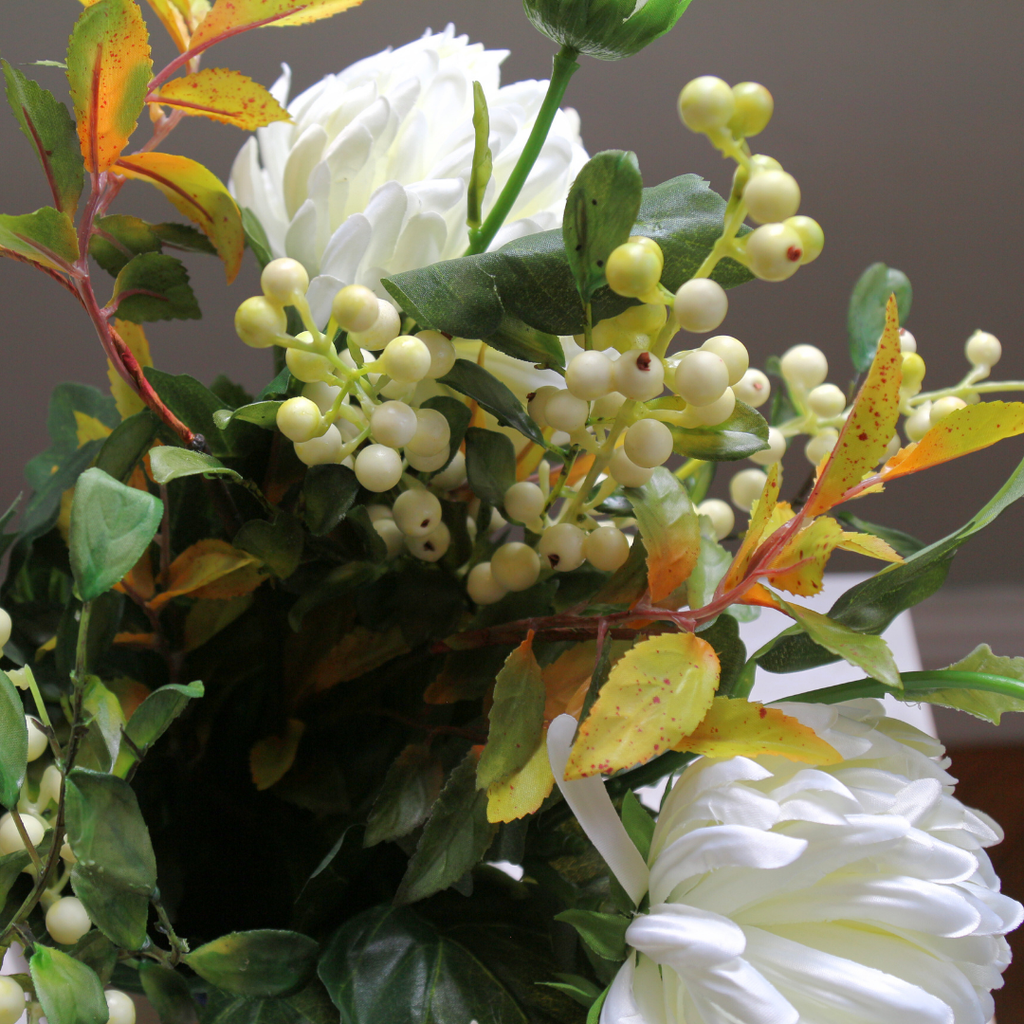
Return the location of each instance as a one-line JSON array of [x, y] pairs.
[[944, 407], [732, 352], [606, 548], [775, 450], [647, 318], [913, 369], [908, 343], [774, 252], [715, 412], [319, 451], [746, 487], [633, 269], [260, 323], [433, 546], [428, 463], [5, 627], [826, 401], [454, 475], [299, 419], [805, 365], [754, 109], [321, 394], [772, 196], [722, 517], [120, 1007], [307, 366], [607, 408], [562, 546], [378, 468], [812, 238], [284, 280], [983, 349], [67, 854], [524, 501], [919, 422], [49, 785], [639, 375], [416, 512], [891, 449], [12, 1000], [515, 566], [392, 536], [565, 411], [706, 103], [10, 837], [432, 434], [406, 359], [754, 389], [67, 921], [442, 353], [393, 424], [626, 472], [386, 327], [355, 308], [648, 443], [37, 740], [537, 402], [700, 305], [482, 587], [701, 377], [378, 512], [589, 375], [820, 445], [613, 333]]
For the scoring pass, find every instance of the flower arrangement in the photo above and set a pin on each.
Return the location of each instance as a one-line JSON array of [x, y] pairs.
[[330, 703]]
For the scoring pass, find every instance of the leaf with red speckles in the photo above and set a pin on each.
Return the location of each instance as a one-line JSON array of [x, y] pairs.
[[46, 237], [109, 68], [229, 17], [199, 194], [760, 518], [177, 17], [655, 695], [222, 95], [522, 792], [960, 433], [740, 728], [870, 426]]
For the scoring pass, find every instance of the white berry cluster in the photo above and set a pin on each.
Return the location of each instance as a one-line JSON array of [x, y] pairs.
[[13, 1004]]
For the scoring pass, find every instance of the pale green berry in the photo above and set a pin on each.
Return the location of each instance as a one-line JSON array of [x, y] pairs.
[[732, 352], [378, 468], [565, 411], [983, 349], [722, 517], [706, 103], [322, 450], [524, 501], [919, 422], [701, 377], [49, 785], [482, 587], [746, 487], [37, 739], [613, 333], [260, 323], [392, 536], [633, 269], [393, 424], [758, 162], [908, 343], [648, 443], [626, 472], [821, 445], [774, 252], [432, 547], [120, 1007], [10, 837], [416, 512], [562, 546], [386, 327], [67, 920], [772, 196], [398, 390], [5, 627], [299, 419], [913, 368], [891, 449], [775, 450], [700, 305], [284, 280], [589, 375], [715, 412], [515, 566], [308, 366], [812, 238], [406, 359], [805, 365], [826, 401], [945, 407], [754, 109], [67, 854], [432, 434], [378, 512], [537, 402], [754, 389], [428, 463], [454, 474], [647, 318], [442, 353], [321, 394], [355, 308], [639, 375], [606, 548], [608, 407], [12, 1001]]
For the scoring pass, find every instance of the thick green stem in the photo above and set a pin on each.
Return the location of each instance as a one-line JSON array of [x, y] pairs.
[[564, 68]]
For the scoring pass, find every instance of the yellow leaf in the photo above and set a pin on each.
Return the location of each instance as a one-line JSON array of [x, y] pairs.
[[199, 194], [199, 568], [222, 95], [229, 17], [870, 426], [271, 759], [740, 728], [88, 428], [523, 792], [760, 516], [109, 68], [127, 401], [805, 556], [655, 695], [870, 545], [206, 619], [960, 433], [174, 19]]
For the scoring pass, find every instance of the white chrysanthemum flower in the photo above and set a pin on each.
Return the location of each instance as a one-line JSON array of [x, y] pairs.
[[370, 178], [858, 893]]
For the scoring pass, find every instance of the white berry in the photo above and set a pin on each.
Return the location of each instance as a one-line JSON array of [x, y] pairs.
[[5, 627], [482, 587], [805, 365], [433, 546], [284, 280], [378, 468], [772, 196], [648, 318], [515, 566], [322, 450], [774, 252], [406, 359], [983, 349], [700, 305], [417, 512], [919, 422], [775, 450], [454, 475], [826, 401], [812, 238], [908, 343], [565, 411], [259, 322], [120, 1007], [299, 419], [722, 517], [67, 921], [432, 434], [12, 1000], [37, 741], [732, 352], [393, 424], [701, 377], [944, 407], [537, 402], [633, 269], [49, 785], [606, 548], [715, 412], [524, 501], [589, 375], [355, 308], [608, 407], [746, 487], [307, 366], [820, 445], [391, 535], [428, 463], [648, 443], [442, 353], [706, 103], [754, 389], [639, 375], [10, 837], [386, 327], [626, 472], [754, 109], [562, 546], [321, 394]]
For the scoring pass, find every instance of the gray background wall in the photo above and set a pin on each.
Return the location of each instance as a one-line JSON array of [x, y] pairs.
[[902, 122]]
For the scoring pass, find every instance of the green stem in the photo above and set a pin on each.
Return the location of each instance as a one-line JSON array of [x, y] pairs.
[[82, 648], [565, 67]]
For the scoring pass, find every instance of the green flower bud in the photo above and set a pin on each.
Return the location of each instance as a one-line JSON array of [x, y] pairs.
[[606, 29]]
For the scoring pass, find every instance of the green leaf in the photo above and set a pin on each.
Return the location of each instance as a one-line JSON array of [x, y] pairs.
[[638, 823], [483, 163], [310, 1006], [866, 317], [328, 492], [12, 865], [742, 434], [599, 214], [490, 465], [712, 564], [119, 239], [257, 964], [902, 543], [516, 717], [458, 415], [48, 126], [169, 994], [529, 279], [262, 414], [605, 934], [724, 635], [516, 339], [115, 875], [111, 527], [627, 584], [46, 237], [183, 237], [411, 786], [256, 237], [105, 718], [483, 387], [13, 743], [455, 837], [130, 440], [69, 991], [278, 544], [173, 463], [579, 989], [154, 286], [153, 717]]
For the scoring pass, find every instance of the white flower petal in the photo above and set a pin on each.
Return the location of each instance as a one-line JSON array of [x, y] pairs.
[[320, 297], [737, 993], [304, 156], [346, 248], [619, 1005], [685, 938], [300, 238]]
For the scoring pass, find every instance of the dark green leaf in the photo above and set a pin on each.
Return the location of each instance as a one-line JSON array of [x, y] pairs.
[[119, 239], [173, 463], [153, 716], [95, 950], [579, 989], [111, 527], [455, 837], [69, 992], [345, 580], [13, 743], [310, 1006], [626, 585], [11, 867], [328, 492], [480, 174], [516, 339], [46, 236], [902, 543], [490, 465], [278, 386], [168, 991], [411, 786], [724, 636], [48, 126], [475, 382], [742, 434], [262, 414], [866, 317], [638, 823], [458, 415], [130, 440], [257, 964], [278, 544], [256, 237], [605, 934], [184, 237], [154, 286], [44, 506]]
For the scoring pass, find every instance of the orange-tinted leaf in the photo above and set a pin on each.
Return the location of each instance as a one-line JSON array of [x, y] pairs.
[[174, 19], [229, 17], [201, 567], [960, 433], [206, 619], [144, 641], [199, 195], [760, 596], [222, 95], [804, 558], [359, 651], [243, 580], [127, 401], [655, 695], [129, 692], [109, 68], [271, 759], [566, 680], [760, 515], [869, 427], [522, 793], [739, 728], [870, 545]]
